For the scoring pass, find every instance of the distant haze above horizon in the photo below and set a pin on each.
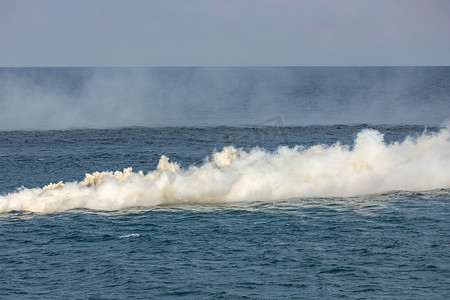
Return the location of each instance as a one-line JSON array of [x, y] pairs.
[[59, 98], [224, 33]]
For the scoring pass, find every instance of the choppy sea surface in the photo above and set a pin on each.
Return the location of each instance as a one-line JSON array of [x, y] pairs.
[[265, 209]]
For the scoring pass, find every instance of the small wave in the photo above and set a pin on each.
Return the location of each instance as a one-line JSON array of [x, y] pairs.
[[132, 235], [368, 166]]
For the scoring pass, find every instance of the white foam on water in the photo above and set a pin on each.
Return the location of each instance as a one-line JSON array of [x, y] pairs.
[[233, 175], [131, 235]]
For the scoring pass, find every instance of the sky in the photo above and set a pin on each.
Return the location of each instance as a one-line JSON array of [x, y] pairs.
[[224, 33]]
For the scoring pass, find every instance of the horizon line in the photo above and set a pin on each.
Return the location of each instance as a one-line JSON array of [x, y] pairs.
[[224, 66]]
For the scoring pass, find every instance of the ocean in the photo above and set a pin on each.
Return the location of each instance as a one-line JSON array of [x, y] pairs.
[[225, 183]]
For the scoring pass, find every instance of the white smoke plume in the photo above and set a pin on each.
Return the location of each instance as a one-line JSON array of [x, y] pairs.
[[233, 175]]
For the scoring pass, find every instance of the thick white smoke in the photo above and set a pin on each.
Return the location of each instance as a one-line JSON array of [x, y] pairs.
[[233, 175]]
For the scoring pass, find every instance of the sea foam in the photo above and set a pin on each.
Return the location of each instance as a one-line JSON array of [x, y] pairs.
[[368, 166]]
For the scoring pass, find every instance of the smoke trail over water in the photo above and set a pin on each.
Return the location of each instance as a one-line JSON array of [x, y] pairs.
[[234, 175]]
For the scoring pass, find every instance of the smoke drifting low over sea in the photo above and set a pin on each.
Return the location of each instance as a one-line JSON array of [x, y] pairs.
[[368, 166]]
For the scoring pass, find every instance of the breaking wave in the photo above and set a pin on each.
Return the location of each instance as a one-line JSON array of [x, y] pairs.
[[234, 175]]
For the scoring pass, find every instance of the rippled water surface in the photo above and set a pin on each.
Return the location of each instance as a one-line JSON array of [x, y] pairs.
[[392, 245]]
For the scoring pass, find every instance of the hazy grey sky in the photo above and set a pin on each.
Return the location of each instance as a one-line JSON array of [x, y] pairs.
[[224, 33]]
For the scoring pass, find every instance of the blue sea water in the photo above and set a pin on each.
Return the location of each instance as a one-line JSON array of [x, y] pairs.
[[317, 198]]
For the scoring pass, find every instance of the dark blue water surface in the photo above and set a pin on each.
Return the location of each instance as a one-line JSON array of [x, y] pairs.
[[391, 245]]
